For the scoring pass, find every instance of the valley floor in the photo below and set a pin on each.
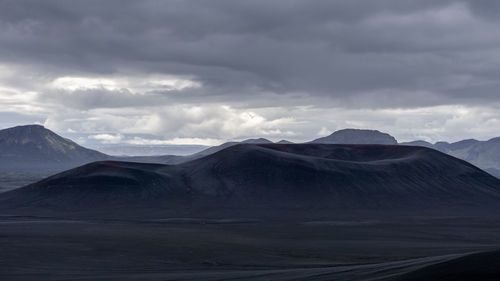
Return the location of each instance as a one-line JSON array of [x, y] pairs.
[[45, 248], [10, 180]]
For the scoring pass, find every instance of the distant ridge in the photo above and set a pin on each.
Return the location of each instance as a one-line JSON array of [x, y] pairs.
[[256, 141], [418, 143], [484, 154], [34, 145], [357, 136], [211, 150]]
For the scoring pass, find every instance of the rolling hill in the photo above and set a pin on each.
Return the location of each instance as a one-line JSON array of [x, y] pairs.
[[276, 176]]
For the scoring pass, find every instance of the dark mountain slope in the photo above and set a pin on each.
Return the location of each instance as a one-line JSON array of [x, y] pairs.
[[479, 266], [494, 172], [96, 184], [277, 176], [356, 136], [34, 146], [339, 175]]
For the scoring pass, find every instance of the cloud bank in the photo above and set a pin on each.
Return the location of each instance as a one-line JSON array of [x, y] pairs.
[[221, 70]]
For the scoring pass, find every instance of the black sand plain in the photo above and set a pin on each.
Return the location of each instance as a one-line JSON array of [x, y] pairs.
[[365, 248]]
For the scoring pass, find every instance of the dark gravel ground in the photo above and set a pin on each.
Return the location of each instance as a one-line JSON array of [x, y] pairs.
[[34, 248]]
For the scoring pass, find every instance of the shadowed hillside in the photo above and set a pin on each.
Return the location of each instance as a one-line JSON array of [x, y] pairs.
[[277, 175], [479, 266]]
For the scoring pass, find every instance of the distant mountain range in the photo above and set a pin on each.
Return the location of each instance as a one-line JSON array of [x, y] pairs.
[[34, 146], [273, 177], [484, 154], [346, 136]]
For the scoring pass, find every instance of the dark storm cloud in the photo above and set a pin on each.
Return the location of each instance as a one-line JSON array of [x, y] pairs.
[[485, 8], [219, 70], [337, 49]]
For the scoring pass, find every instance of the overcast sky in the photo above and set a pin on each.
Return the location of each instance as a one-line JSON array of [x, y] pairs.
[[208, 71]]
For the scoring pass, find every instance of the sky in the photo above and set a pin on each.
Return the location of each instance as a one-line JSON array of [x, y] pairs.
[[204, 72]]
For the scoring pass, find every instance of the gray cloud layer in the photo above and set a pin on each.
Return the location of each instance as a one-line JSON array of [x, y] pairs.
[[334, 57]]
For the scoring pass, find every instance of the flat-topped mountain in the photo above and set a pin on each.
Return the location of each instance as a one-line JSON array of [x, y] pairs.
[[357, 136], [344, 177], [34, 145]]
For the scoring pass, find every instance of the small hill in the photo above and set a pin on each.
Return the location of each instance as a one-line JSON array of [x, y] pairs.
[[34, 146], [418, 143], [257, 141], [357, 136]]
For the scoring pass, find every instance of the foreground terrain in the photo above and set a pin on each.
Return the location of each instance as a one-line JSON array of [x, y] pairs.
[[363, 248]]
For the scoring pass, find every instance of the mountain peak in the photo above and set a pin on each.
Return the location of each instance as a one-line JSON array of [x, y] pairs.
[[27, 133], [256, 141], [26, 128], [30, 144], [357, 136]]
